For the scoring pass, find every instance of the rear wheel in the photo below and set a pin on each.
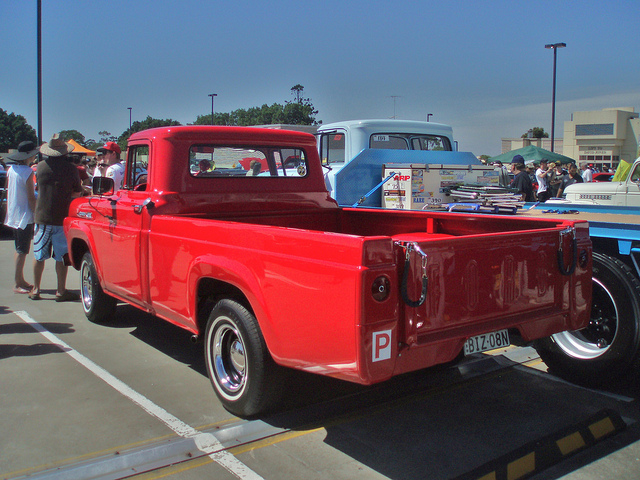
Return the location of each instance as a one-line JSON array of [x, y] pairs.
[[606, 350], [97, 305], [242, 372]]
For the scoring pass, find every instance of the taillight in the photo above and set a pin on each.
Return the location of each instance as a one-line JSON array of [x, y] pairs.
[[381, 288]]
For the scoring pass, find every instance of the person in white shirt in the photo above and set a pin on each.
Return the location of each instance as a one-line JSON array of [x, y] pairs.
[[21, 202], [109, 164], [587, 174], [541, 177]]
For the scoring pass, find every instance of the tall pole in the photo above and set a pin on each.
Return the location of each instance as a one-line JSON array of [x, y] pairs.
[[40, 74], [554, 47], [130, 117], [212, 95]]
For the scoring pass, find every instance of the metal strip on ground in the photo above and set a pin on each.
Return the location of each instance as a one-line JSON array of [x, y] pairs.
[[206, 443]]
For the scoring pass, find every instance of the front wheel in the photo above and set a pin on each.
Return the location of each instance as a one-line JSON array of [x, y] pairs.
[[97, 305], [242, 372], [608, 349]]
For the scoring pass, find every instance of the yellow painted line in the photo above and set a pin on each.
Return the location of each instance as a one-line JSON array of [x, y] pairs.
[[489, 476], [87, 456], [175, 469], [108, 451], [533, 363], [543, 453], [602, 428], [202, 461], [521, 467], [266, 442], [571, 443]]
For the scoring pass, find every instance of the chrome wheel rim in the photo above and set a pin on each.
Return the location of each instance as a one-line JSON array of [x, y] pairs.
[[228, 359], [87, 287], [596, 339]]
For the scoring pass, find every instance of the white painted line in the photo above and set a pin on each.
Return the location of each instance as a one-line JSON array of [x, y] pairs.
[[205, 442]]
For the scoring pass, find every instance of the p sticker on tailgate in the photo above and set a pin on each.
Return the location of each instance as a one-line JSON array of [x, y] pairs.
[[381, 345]]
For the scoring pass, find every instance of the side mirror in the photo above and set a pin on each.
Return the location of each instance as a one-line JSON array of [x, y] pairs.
[[102, 185]]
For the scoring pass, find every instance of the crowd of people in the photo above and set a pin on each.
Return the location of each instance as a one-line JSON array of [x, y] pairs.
[[38, 197], [540, 182]]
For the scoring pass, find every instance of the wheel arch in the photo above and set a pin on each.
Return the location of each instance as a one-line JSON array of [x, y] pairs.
[[213, 278], [211, 290]]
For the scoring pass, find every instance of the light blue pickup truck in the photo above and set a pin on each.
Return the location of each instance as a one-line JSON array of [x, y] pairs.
[[354, 152]]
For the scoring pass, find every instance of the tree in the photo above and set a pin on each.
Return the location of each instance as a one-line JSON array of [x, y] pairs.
[[72, 134], [300, 111], [536, 132], [13, 130], [297, 112], [106, 137], [145, 124]]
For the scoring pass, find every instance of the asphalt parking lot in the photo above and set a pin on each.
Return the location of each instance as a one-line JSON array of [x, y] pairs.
[[131, 398]]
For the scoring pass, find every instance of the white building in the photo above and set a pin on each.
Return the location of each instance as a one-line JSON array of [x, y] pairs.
[[603, 137]]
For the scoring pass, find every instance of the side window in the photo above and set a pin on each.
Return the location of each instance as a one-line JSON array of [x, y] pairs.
[[388, 142], [137, 167], [635, 176], [332, 148], [290, 162]]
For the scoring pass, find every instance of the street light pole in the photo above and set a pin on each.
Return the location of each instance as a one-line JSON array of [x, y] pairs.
[[554, 47], [39, 60], [129, 117], [212, 95], [429, 115]]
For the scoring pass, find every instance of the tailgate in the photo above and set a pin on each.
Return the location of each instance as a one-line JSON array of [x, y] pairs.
[[537, 281]]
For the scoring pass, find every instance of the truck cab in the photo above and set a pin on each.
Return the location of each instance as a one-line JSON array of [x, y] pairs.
[[622, 192], [339, 143]]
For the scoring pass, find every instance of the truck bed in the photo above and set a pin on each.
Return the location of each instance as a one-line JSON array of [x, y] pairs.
[[484, 275]]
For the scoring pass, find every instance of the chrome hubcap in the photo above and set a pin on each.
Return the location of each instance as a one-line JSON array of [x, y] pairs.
[[229, 360], [596, 339], [87, 287]]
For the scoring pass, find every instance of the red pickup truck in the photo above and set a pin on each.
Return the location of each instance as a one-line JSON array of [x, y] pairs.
[[264, 267]]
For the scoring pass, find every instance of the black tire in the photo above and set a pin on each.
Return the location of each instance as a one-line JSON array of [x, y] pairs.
[[604, 353], [244, 376], [97, 305]]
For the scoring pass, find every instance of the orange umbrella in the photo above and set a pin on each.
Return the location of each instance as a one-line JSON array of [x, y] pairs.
[[80, 149]]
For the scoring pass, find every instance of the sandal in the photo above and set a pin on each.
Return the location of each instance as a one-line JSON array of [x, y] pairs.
[[35, 296], [21, 290], [68, 296]]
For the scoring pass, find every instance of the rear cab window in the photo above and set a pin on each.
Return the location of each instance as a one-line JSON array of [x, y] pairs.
[[409, 141], [224, 161]]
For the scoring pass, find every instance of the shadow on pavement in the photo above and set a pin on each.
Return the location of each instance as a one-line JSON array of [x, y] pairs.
[[20, 327], [169, 339], [428, 425], [434, 423], [7, 351]]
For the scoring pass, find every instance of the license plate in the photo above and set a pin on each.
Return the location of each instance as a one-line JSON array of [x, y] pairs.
[[487, 341]]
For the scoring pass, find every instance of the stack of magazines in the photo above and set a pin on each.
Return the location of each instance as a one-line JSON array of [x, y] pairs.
[[484, 199]]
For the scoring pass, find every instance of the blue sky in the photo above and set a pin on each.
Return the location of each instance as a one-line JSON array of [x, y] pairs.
[[479, 66]]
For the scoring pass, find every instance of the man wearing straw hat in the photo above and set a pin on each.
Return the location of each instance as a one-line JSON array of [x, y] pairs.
[[58, 183]]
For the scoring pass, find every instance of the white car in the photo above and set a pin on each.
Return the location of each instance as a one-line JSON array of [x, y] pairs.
[[625, 192]]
